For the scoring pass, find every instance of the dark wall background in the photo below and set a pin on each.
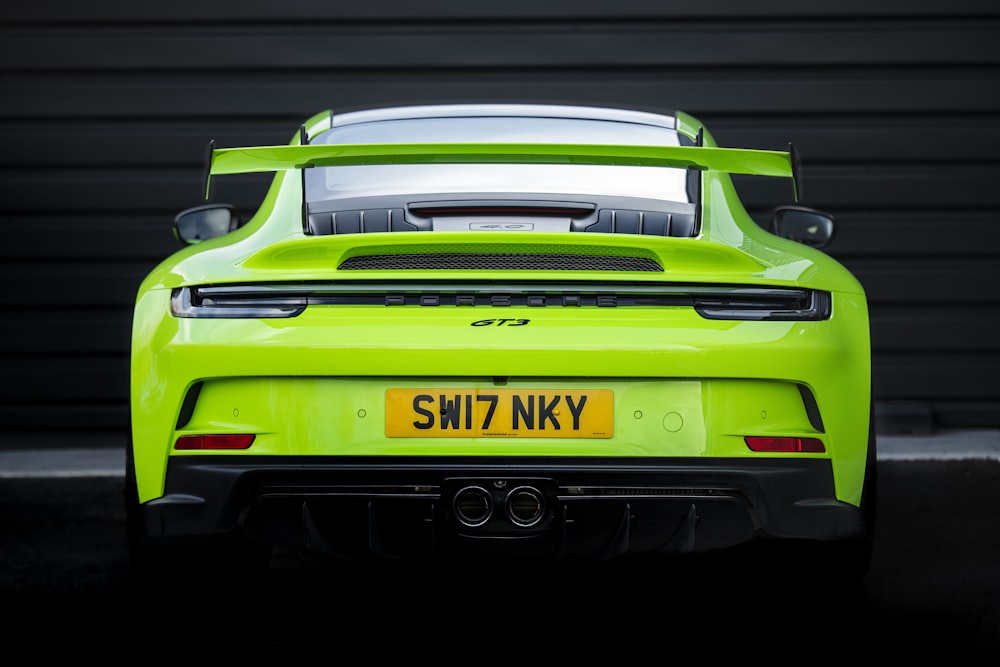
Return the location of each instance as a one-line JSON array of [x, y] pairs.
[[106, 108]]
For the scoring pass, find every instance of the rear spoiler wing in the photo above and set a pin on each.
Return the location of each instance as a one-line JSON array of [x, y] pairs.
[[282, 158]]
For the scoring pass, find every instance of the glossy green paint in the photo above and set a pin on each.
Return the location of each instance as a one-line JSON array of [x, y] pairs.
[[314, 384], [703, 158], [351, 348], [655, 417], [281, 158]]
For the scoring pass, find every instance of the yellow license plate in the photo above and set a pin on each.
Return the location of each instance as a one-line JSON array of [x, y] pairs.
[[499, 413]]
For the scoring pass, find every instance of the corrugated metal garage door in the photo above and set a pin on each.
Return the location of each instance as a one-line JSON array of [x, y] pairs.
[[106, 109]]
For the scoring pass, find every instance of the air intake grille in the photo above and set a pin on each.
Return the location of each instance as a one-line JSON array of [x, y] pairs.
[[499, 262]]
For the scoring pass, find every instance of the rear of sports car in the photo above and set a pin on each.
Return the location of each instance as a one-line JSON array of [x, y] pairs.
[[408, 359]]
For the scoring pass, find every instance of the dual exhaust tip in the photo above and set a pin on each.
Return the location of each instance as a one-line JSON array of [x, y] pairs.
[[523, 506]]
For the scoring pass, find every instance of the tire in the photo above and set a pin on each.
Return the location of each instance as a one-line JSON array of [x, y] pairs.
[[846, 562], [855, 555], [216, 555]]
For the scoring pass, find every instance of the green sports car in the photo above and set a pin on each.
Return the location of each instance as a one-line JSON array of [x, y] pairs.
[[500, 330]]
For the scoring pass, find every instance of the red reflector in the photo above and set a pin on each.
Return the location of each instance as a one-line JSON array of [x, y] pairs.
[[215, 441], [761, 444]]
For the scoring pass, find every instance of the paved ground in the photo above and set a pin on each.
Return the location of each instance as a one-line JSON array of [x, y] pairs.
[[96, 458], [933, 592]]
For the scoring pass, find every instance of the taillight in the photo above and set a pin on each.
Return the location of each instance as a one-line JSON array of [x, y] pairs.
[[767, 444], [215, 441], [234, 303]]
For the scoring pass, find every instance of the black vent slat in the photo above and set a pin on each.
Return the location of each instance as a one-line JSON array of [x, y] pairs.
[[358, 221], [627, 222], [606, 220], [650, 223], [320, 224], [347, 222], [681, 226], [498, 262]]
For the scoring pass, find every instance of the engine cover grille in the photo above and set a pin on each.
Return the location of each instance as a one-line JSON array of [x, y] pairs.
[[499, 262]]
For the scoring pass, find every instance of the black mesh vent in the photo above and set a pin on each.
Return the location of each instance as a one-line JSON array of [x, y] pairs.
[[499, 262]]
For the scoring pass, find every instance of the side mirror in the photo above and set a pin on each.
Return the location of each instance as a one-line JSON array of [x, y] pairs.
[[805, 225], [208, 221]]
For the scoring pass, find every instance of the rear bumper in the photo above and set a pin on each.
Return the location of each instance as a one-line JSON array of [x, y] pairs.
[[591, 508]]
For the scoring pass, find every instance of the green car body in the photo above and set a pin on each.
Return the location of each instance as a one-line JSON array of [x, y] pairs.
[[490, 390]]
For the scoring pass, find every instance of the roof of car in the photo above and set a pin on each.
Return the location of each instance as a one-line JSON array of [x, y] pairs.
[[493, 110]]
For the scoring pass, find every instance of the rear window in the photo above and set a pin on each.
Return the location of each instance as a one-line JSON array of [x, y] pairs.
[[371, 180]]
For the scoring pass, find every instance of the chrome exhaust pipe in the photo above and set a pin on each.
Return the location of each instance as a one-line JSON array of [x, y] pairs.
[[473, 506], [525, 506]]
